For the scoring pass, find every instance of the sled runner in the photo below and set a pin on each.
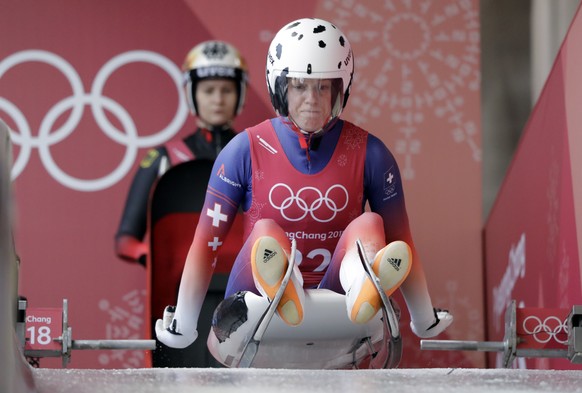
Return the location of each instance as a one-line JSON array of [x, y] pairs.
[[391, 319], [252, 345], [246, 334]]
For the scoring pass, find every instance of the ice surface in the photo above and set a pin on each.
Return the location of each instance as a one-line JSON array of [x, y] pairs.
[[202, 380]]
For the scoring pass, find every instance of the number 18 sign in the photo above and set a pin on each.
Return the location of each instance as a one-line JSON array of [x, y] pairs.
[[43, 325]]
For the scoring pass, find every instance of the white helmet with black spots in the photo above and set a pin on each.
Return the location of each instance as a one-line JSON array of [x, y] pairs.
[[214, 60], [310, 48]]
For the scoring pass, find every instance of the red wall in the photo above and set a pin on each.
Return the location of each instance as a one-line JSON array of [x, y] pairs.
[[88, 87], [532, 237]]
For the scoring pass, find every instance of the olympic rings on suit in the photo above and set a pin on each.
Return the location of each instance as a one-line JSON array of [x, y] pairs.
[[47, 136], [319, 206]]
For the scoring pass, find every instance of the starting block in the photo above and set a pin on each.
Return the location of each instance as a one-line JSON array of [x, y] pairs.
[[529, 333], [45, 332]]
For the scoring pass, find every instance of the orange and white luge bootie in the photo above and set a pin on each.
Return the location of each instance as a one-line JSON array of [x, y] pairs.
[[269, 263], [391, 265]]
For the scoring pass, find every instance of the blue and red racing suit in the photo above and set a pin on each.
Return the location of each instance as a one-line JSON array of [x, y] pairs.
[[312, 187]]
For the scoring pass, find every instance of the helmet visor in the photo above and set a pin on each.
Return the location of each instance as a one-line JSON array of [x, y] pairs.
[[313, 103]]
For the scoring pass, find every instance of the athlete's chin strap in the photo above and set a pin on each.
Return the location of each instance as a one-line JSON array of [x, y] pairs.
[[213, 133], [214, 128], [329, 123], [309, 140]]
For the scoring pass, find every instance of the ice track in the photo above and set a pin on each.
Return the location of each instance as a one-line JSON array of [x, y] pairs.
[[202, 380]]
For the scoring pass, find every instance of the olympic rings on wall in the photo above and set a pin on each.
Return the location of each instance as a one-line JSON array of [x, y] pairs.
[[546, 330], [47, 136]]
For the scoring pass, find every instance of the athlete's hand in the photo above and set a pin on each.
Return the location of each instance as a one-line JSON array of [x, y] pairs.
[[169, 333], [442, 320]]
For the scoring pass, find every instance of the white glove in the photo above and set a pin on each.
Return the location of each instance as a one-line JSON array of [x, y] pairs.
[[442, 320], [169, 333]]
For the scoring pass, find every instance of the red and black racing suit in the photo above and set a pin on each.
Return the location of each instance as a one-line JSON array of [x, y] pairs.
[[202, 144]]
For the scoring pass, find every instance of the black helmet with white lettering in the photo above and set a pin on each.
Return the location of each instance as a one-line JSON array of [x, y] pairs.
[[214, 60]]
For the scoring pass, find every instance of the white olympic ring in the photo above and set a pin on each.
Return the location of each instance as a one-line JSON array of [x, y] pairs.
[[76, 102], [542, 332], [307, 208]]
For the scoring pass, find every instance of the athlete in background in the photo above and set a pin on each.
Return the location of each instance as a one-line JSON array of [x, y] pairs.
[[215, 82], [308, 175]]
